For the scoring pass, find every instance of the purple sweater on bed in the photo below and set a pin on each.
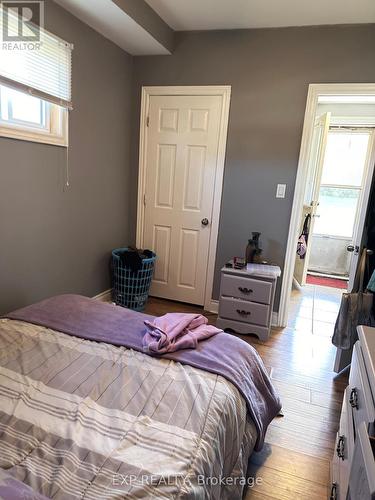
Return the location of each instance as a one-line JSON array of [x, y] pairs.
[[222, 354], [176, 331]]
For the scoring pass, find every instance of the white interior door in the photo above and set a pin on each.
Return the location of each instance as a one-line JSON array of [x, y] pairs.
[[181, 162], [363, 198], [315, 168]]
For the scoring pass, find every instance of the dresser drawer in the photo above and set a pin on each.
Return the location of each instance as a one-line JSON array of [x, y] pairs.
[[343, 452], [362, 473], [246, 288], [242, 310], [344, 447], [334, 487], [360, 396]]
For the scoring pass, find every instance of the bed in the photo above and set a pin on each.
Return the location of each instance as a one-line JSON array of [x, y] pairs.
[[81, 418]]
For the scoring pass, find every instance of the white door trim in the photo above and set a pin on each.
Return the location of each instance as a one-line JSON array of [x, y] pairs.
[[315, 90], [225, 92]]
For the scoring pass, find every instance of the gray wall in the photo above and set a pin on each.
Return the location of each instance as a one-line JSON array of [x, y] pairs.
[[53, 241], [269, 70]]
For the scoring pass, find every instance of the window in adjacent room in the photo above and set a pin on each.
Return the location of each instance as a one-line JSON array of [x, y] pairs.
[[23, 116]]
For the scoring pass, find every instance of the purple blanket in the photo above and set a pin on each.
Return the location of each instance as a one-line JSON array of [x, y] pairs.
[[13, 489], [222, 354]]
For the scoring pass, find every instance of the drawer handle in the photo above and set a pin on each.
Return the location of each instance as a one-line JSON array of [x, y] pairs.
[[241, 312], [340, 449], [353, 400], [333, 495], [243, 289]]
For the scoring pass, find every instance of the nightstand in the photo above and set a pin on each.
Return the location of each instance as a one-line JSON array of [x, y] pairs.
[[246, 299]]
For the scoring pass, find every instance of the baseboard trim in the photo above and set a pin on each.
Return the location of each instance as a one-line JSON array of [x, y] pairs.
[[104, 296], [213, 306], [275, 319]]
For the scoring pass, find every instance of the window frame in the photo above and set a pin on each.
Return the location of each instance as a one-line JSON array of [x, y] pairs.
[[55, 133]]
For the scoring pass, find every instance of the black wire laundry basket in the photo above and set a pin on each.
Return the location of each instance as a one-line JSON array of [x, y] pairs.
[[130, 288]]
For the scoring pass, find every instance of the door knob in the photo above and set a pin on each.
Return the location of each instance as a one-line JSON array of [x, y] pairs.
[[205, 222], [352, 248]]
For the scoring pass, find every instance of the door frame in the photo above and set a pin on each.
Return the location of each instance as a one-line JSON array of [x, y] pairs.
[[224, 91], [315, 90]]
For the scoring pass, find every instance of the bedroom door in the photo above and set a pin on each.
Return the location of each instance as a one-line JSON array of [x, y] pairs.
[[315, 168], [181, 156]]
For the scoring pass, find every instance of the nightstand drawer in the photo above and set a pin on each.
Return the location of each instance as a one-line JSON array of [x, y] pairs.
[[360, 393], [246, 288], [241, 310]]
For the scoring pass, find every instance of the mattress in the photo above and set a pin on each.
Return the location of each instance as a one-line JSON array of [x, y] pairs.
[[85, 419]]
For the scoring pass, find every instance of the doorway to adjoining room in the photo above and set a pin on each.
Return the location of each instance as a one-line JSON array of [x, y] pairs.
[[332, 191], [339, 206]]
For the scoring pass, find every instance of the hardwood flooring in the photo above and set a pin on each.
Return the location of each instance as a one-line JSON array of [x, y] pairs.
[[294, 463]]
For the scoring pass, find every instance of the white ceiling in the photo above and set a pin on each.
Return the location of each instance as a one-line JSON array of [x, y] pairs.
[[236, 14], [112, 22], [115, 24]]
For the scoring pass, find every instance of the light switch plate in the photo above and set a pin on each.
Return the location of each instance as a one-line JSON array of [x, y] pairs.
[[280, 191]]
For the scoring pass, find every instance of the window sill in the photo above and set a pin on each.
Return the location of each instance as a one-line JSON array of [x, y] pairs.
[[33, 136]]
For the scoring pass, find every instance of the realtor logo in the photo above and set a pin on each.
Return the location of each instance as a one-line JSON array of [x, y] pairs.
[[22, 20]]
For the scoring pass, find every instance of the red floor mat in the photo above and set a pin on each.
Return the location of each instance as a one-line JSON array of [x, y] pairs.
[[331, 282]]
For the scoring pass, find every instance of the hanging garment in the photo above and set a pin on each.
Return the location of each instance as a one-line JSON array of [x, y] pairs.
[[355, 309], [302, 240]]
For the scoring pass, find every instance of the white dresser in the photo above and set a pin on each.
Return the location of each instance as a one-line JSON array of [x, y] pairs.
[[353, 464], [246, 299]]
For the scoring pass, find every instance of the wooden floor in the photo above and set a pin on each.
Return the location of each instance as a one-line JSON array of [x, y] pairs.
[[294, 463]]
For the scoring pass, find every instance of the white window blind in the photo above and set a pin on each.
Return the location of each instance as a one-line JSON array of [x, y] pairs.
[[42, 69]]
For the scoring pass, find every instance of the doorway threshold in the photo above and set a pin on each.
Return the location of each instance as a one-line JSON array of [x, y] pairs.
[[326, 275], [326, 280]]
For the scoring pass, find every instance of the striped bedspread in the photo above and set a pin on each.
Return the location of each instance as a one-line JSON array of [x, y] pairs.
[[81, 419]]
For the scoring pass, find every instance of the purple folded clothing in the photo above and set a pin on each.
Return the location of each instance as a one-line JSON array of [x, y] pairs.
[[222, 354], [175, 331]]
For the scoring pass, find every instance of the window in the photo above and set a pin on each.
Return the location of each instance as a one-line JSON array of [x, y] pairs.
[[342, 182], [26, 117], [337, 211], [345, 158], [35, 83]]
